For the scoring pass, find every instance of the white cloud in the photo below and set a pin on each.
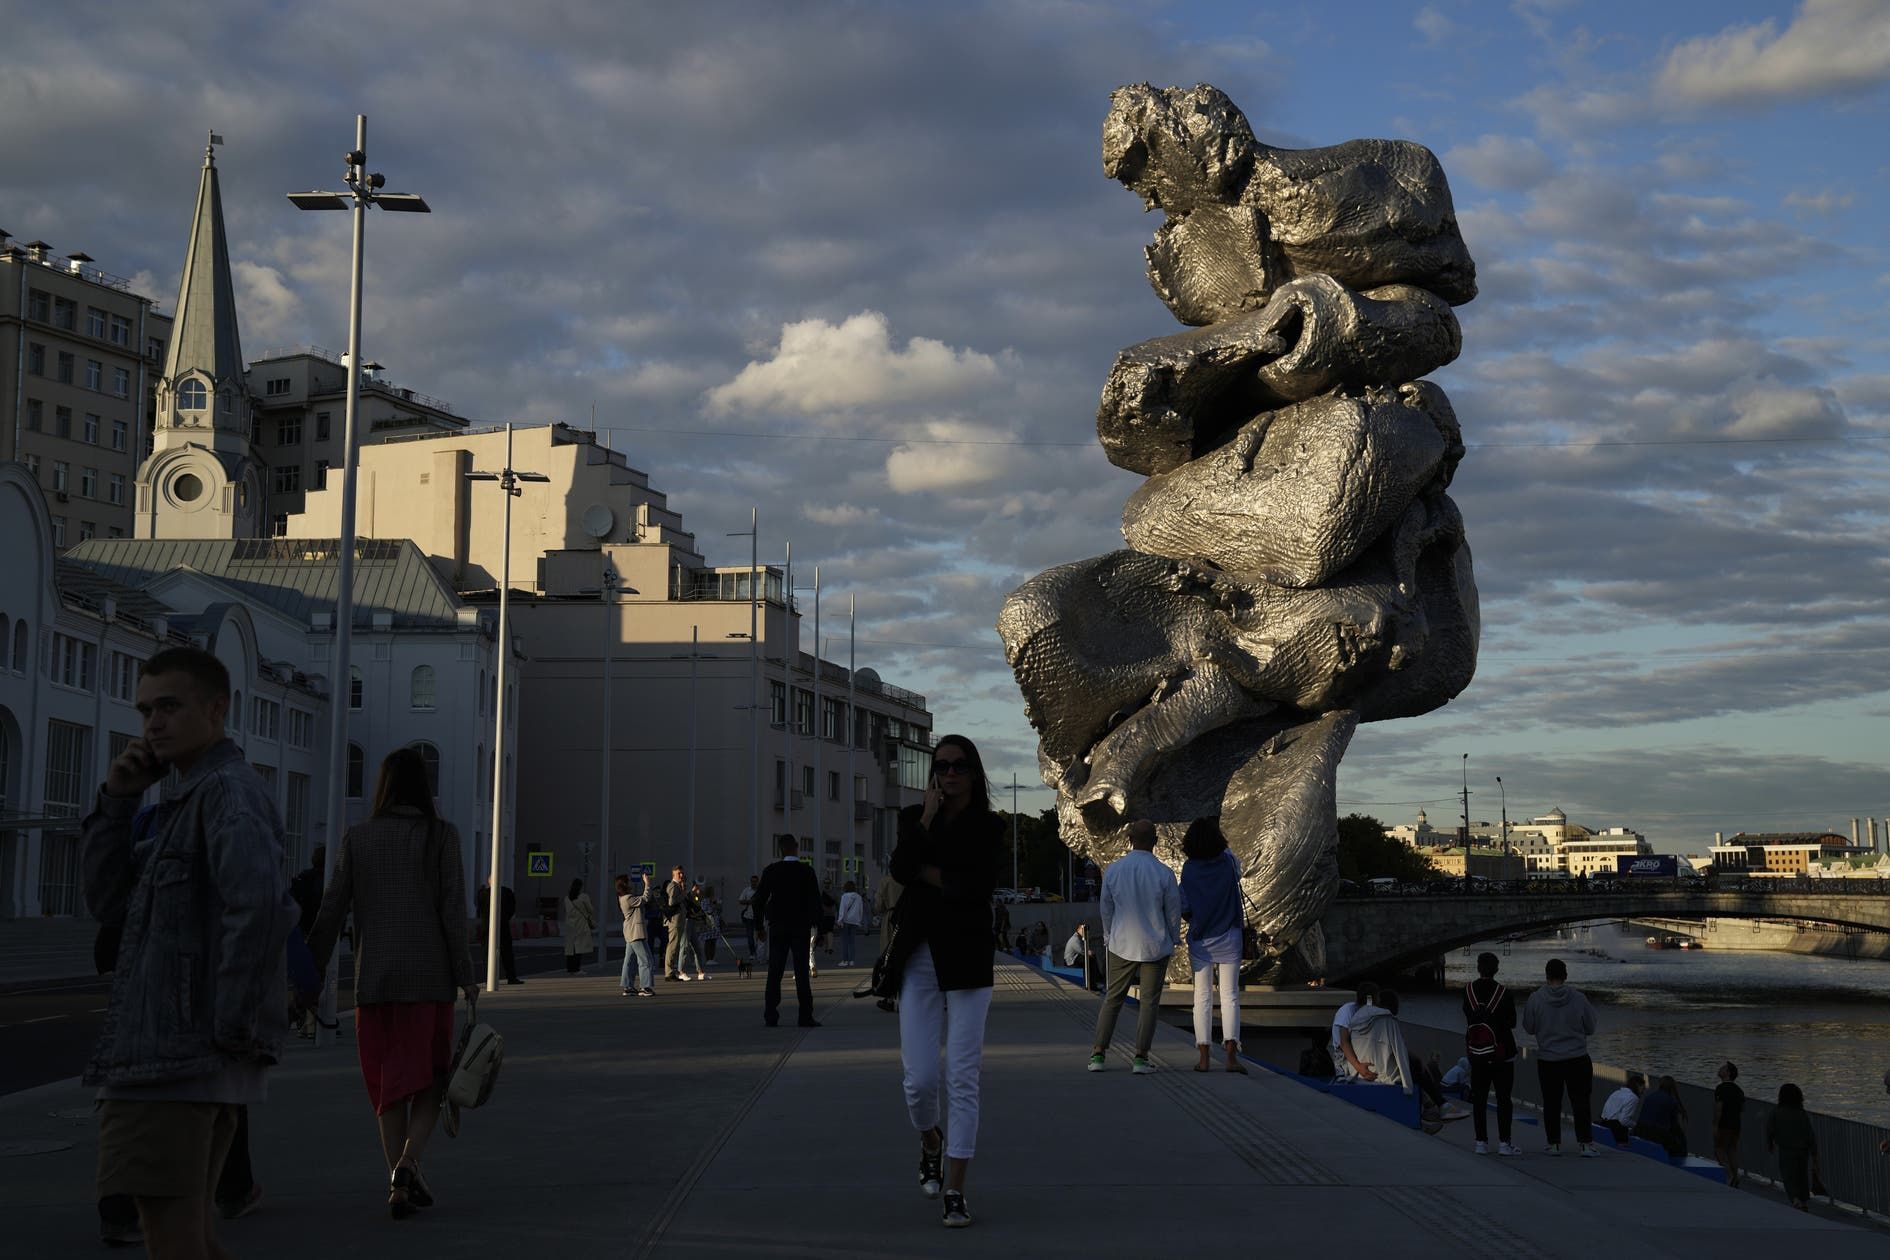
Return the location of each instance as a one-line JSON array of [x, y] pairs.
[[1514, 162], [1433, 25], [1831, 46], [821, 367], [1825, 201], [271, 309]]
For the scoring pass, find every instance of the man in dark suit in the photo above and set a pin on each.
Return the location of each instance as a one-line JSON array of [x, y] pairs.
[[788, 904]]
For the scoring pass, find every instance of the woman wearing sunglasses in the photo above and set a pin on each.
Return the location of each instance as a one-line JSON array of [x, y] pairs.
[[947, 858]]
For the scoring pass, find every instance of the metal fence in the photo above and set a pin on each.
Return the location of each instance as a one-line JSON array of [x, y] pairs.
[[1854, 1172]]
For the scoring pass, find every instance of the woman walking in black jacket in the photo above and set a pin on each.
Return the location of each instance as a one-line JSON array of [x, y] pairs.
[[947, 860]]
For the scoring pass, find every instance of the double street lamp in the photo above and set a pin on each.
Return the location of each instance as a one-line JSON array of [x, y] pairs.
[[363, 190], [508, 479]]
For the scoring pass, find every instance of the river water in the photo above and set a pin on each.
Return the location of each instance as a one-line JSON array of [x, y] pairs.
[[1823, 1023]]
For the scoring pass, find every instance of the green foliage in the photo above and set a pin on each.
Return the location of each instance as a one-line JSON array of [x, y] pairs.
[[1366, 852], [1042, 861]]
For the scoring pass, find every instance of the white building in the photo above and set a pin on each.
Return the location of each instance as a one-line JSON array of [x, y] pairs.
[[74, 639]]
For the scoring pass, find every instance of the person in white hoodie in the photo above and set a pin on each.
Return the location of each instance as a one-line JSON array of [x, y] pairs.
[[1561, 1020]]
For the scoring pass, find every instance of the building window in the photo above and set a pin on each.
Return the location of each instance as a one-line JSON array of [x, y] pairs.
[[357, 771], [95, 322], [62, 421], [22, 643], [88, 483], [35, 414], [72, 662], [121, 331], [859, 787], [295, 817], [777, 703], [289, 430], [422, 688], [288, 479], [833, 785], [430, 756], [276, 386], [67, 365], [61, 474], [115, 489], [114, 531], [301, 728], [233, 716], [88, 429], [94, 374], [321, 473], [807, 783], [121, 434], [32, 464], [279, 525], [122, 682], [39, 305], [266, 720], [121, 382], [321, 426], [915, 767], [88, 530], [65, 314], [35, 359], [192, 395], [354, 687]]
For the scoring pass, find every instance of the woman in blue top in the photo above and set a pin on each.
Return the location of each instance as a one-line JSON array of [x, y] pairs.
[[1210, 905]]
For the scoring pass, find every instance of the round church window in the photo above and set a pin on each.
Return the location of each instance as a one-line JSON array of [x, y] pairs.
[[187, 488]]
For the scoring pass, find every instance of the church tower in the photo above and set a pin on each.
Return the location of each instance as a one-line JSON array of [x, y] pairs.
[[203, 479]]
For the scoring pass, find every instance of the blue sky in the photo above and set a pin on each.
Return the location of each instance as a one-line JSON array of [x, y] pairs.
[[880, 236]]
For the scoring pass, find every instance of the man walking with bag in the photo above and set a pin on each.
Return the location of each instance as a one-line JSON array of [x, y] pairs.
[[679, 953], [205, 915], [1141, 914]]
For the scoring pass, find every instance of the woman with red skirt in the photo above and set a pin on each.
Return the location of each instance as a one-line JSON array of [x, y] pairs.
[[399, 873]]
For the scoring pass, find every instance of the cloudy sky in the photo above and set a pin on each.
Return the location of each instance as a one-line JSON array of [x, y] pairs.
[[857, 264]]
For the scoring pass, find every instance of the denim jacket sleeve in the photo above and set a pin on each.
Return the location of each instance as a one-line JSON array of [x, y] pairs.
[[110, 874], [243, 856]]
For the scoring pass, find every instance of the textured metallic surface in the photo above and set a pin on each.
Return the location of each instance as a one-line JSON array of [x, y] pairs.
[[1295, 565]]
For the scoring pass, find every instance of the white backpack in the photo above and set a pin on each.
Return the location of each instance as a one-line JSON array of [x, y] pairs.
[[475, 1067]]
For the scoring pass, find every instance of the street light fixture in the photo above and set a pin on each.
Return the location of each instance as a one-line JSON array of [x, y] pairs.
[[363, 190], [508, 479]]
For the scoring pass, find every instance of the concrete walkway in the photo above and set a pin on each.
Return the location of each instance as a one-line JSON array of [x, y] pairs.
[[679, 1126]]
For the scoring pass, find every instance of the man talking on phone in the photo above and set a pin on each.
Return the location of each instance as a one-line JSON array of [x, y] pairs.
[[197, 1012]]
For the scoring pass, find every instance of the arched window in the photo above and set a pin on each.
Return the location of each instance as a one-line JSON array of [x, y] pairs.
[[423, 687], [5, 638], [354, 686], [192, 396], [357, 771], [22, 636], [431, 757]]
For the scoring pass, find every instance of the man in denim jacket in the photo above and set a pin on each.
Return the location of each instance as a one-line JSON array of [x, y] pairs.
[[198, 1007]]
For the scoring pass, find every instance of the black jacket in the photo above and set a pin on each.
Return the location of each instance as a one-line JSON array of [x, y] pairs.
[[789, 897], [954, 920]]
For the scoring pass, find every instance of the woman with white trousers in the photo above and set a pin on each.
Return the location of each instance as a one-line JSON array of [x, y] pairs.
[[947, 859], [1210, 905]]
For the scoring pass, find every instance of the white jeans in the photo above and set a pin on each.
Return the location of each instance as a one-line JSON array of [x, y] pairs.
[[926, 1012], [1228, 973]]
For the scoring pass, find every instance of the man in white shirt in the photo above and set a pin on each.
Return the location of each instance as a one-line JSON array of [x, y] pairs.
[[1345, 1063], [1622, 1111], [1141, 915]]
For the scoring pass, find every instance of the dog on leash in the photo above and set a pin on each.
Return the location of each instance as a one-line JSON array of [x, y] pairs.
[[744, 967]]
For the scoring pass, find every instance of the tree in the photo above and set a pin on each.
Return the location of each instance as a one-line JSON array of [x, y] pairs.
[[1366, 852], [1041, 857]]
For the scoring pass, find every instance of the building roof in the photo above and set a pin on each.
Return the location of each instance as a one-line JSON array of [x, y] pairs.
[[294, 576], [1786, 837]]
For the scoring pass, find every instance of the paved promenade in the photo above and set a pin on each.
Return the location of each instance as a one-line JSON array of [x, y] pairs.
[[679, 1127]]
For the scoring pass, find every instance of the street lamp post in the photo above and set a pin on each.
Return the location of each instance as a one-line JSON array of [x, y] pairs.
[[363, 190], [508, 479], [1466, 820], [753, 533], [1505, 798]]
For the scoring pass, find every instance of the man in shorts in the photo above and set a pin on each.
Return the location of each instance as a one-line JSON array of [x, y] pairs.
[[197, 1011]]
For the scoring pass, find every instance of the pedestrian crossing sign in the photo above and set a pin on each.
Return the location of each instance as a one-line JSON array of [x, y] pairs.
[[538, 863]]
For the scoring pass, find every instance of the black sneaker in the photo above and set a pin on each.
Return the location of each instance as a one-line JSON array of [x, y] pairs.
[[931, 1168], [956, 1217]]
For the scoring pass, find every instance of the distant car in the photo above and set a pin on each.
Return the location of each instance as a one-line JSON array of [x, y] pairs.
[[1053, 896]]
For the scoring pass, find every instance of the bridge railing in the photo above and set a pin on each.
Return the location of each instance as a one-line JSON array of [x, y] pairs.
[[1775, 886]]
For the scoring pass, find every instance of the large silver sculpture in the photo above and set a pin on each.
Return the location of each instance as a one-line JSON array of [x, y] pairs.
[[1294, 565]]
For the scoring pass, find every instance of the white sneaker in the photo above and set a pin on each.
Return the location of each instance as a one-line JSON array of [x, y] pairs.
[[1554, 1148], [684, 979], [1483, 1148], [701, 976], [1508, 1148], [1589, 1151]]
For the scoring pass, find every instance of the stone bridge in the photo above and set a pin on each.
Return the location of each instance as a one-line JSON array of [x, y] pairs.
[[1365, 935]]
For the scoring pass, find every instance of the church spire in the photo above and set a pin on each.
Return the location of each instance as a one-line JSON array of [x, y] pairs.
[[204, 336]]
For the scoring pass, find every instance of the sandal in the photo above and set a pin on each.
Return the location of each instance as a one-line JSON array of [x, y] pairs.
[[399, 1193]]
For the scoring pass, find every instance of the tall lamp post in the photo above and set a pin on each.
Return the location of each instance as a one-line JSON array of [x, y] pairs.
[[753, 534], [508, 479], [363, 190], [611, 587], [1505, 798], [1466, 820]]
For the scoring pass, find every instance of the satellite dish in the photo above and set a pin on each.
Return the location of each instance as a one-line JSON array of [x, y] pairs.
[[599, 520]]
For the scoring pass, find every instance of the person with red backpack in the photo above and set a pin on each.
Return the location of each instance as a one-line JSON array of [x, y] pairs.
[[1490, 1043]]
